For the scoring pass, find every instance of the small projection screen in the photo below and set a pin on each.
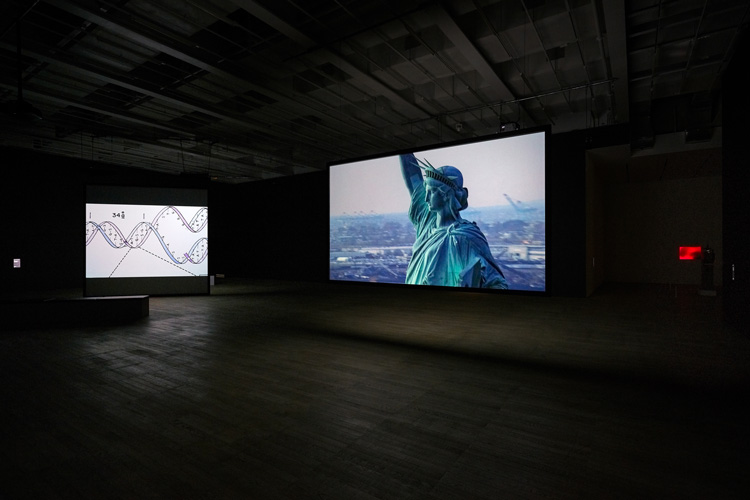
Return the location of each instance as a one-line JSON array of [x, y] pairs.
[[382, 230], [146, 241]]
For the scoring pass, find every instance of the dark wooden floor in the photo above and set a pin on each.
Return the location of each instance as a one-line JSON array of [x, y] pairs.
[[288, 390]]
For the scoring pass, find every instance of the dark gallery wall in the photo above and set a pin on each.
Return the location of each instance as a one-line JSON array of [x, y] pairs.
[[269, 229], [647, 222], [276, 228], [642, 207], [43, 208], [596, 260], [566, 214], [736, 187], [43, 199]]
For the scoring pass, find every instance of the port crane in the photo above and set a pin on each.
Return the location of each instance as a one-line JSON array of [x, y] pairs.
[[519, 206]]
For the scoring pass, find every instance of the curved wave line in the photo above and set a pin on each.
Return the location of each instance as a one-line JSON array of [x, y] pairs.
[[153, 227]]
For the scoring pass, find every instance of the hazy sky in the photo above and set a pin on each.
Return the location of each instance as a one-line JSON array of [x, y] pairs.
[[513, 165]]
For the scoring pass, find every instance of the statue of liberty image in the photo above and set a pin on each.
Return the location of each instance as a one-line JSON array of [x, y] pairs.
[[449, 250]]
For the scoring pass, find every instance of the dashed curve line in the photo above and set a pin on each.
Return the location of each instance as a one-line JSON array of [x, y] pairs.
[[118, 264], [167, 261], [127, 242], [199, 216]]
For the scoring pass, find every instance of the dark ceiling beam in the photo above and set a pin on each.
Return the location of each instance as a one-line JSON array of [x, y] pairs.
[[272, 20], [315, 56], [63, 101], [165, 45], [673, 69], [406, 132], [149, 41], [552, 69], [586, 61], [467, 49], [693, 39], [445, 22], [97, 73], [519, 69], [616, 43], [321, 55], [535, 97], [691, 49], [395, 75], [153, 150], [144, 153]]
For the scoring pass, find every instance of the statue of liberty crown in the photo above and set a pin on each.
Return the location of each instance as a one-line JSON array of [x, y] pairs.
[[433, 173]]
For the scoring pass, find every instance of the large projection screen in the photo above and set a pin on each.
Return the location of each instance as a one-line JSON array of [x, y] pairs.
[[375, 220], [146, 241]]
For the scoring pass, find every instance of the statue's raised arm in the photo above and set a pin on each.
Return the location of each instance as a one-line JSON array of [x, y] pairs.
[[411, 172]]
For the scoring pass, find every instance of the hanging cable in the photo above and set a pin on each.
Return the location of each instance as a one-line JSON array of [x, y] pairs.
[[182, 153]]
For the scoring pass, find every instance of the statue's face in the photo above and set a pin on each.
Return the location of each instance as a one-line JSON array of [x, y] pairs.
[[433, 197]]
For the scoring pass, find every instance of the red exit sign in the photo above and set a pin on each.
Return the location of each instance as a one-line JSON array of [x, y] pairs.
[[691, 253]]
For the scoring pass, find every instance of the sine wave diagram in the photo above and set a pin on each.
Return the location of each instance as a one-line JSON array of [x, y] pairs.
[[162, 242]]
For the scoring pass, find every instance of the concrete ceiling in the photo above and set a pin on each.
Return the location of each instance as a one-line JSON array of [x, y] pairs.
[[241, 90]]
